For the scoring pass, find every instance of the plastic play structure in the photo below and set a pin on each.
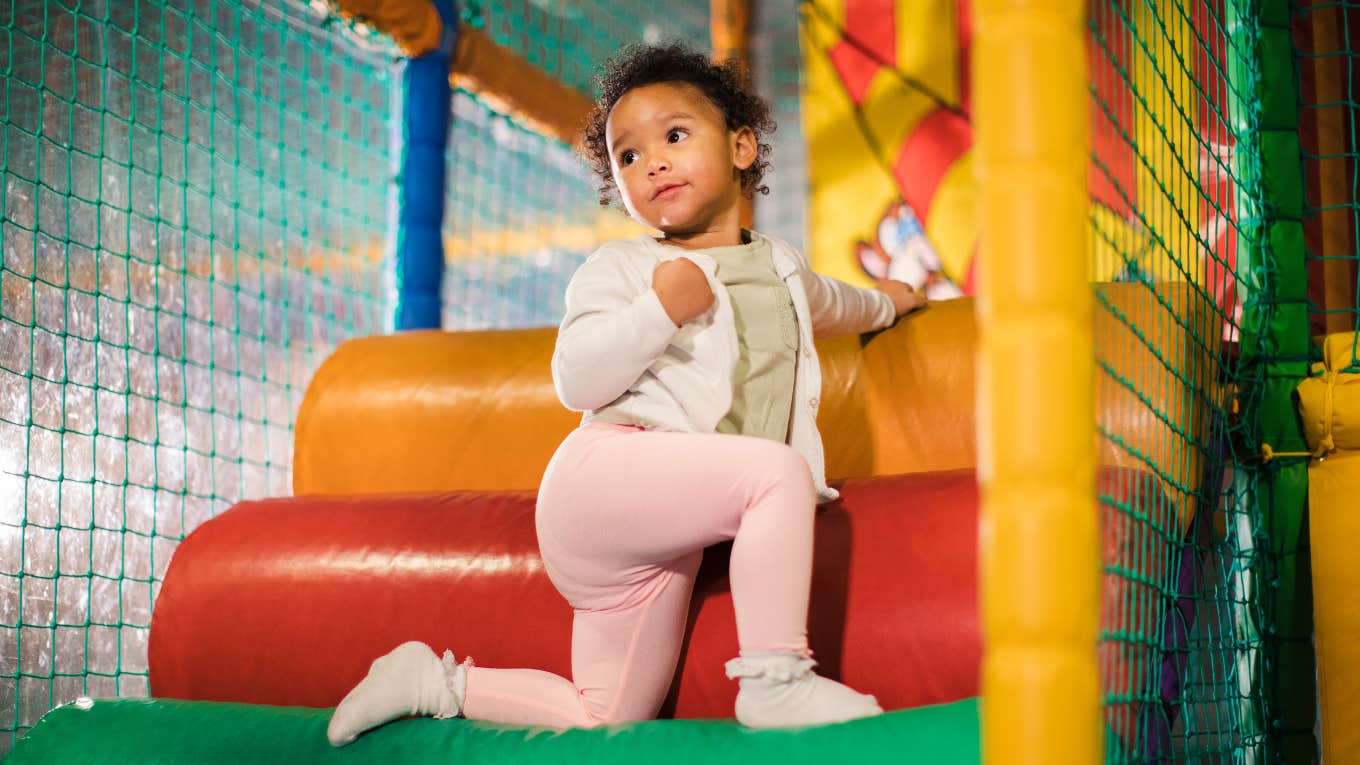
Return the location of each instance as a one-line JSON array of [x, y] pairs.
[[1076, 502], [416, 488]]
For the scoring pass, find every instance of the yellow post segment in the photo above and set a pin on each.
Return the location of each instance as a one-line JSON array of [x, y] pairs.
[[1039, 544], [1167, 176]]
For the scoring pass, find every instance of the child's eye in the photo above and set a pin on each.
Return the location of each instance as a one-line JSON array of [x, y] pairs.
[[627, 158], [676, 135]]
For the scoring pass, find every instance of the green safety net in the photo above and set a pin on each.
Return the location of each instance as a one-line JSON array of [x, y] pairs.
[[1195, 200], [520, 215], [569, 40], [194, 213]]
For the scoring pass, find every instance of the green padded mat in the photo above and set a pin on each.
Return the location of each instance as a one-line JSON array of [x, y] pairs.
[[149, 731]]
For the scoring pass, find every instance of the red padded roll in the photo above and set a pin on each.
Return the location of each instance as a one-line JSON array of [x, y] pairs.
[[287, 601]]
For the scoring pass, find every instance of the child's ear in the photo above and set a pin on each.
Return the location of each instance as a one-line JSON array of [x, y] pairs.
[[744, 147]]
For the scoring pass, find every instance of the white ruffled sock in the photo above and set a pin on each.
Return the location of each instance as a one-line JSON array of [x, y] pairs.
[[780, 690], [409, 680]]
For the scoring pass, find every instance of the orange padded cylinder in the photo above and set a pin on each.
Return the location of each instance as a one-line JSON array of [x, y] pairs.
[[440, 411], [432, 411]]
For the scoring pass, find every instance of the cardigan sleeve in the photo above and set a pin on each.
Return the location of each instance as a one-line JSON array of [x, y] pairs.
[[838, 308], [610, 335]]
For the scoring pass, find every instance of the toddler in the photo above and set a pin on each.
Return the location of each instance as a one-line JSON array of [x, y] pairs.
[[691, 355]]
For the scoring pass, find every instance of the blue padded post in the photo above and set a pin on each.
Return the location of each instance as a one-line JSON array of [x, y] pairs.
[[420, 214]]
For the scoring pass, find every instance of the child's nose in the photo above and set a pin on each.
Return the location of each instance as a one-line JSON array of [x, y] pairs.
[[658, 164]]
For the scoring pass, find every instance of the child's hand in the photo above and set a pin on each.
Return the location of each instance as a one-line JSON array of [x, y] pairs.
[[683, 289], [905, 298]]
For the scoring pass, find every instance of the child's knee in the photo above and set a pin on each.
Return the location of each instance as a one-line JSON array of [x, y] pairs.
[[784, 467], [614, 711]]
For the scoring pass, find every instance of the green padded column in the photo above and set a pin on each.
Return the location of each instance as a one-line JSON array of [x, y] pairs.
[[1274, 351]]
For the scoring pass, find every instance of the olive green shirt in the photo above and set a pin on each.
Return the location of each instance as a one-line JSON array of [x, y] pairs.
[[767, 339]]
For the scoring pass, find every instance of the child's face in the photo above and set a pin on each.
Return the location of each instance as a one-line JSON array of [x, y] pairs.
[[676, 164]]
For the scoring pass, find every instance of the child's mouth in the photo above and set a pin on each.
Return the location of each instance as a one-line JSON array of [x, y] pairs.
[[667, 191]]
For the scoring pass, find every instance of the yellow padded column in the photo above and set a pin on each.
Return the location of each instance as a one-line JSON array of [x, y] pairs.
[[1329, 406], [1039, 552]]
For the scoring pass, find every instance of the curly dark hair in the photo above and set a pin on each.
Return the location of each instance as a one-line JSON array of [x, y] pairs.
[[727, 85]]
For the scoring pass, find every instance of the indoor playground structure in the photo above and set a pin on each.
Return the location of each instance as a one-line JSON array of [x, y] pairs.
[[278, 297]]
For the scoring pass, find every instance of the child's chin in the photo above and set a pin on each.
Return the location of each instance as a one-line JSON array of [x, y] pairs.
[[673, 229], [679, 224]]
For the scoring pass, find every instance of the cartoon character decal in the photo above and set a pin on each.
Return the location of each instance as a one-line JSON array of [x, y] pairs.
[[902, 251]]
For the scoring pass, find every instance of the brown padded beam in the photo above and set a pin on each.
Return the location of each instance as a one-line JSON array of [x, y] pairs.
[[498, 75], [413, 25], [512, 85]]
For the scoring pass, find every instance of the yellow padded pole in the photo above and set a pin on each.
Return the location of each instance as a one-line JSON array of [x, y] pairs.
[[1039, 545]]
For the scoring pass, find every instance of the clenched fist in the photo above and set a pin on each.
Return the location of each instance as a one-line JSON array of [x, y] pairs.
[[683, 289]]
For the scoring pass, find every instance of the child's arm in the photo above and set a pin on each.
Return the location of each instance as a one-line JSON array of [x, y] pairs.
[[609, 336], [838, 308]]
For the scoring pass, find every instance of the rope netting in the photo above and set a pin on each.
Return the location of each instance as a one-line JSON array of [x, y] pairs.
[[1203, 649], [193, 214], [520, 215]]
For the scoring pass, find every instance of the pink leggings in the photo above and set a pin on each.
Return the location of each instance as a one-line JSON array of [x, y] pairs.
[[623, 517]]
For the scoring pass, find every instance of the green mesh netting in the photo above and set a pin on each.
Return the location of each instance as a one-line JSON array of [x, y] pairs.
[[568, 39], [193, 214], [520, 216], [1204, 646], [777, 64]]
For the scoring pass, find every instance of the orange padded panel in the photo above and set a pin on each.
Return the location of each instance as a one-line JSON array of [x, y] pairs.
[[430, 411], [435, 411]]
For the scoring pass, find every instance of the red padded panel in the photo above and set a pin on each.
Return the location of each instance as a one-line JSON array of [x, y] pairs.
[[286, 601], [894, 598]]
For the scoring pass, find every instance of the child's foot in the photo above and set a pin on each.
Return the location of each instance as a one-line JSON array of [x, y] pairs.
[[779, 690], [410, 680]]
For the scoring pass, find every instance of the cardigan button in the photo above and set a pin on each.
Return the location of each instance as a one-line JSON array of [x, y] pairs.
[[813, 402]]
